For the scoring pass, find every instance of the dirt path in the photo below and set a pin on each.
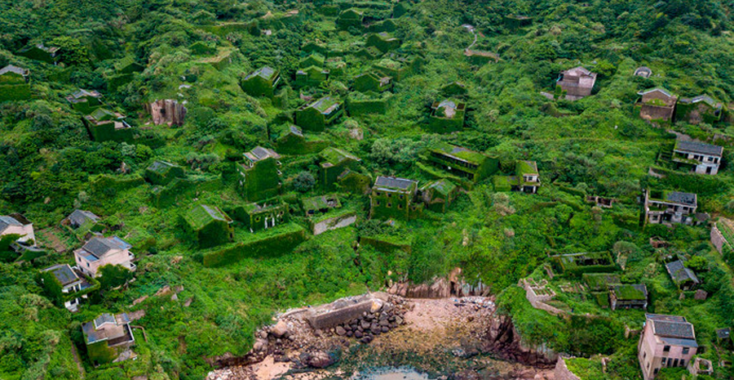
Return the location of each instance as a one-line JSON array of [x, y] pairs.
[[79, 365], [52, 240]]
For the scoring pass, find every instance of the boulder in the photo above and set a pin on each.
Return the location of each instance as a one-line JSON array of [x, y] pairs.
[[319, 359], [279, 329]]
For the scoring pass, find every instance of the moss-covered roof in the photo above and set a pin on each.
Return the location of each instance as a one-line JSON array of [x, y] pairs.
[[320, 202], [442, 186], [527, 167], [335, 156], [201, 215], [459, 153], [637, 292], [326, 105]]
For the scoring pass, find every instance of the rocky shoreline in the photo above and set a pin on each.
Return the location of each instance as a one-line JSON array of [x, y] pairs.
[[463, 338]]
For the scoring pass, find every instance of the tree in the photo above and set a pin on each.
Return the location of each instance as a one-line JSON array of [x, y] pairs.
[[114, 276], [6, 254], [72, 50], [304, 182]]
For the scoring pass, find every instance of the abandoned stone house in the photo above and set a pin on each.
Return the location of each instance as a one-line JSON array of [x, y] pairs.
[[525, 180], [600, 201], [208, 225], [17, 224], [261, 82], [454, 89], [263, 215], [583, 262], [394, 197], [643, 71], [626, 296], [101, 251], [666, 341], [372, 81], [70, 281], [383, 41], [294, 141], [702, 108], [462, 162], [259, 176], [79, 218], [107, 336], [317, 115], [314, 59], [577, 82], [14, 83], [447, 116], [104, 125], [438, 195], [670, 207], [350, 18], [85, 101], [698, 157], [683, 277], [163, 172], [657, 104], [335, 166], [311, 76]]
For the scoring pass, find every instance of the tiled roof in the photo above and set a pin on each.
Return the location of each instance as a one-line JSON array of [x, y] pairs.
[[79, 217], [63, 273], [702, 98], [394, 183], [295, 130], [7, 221], [679, 273], [99, 247], [699, 147], [674, 329]]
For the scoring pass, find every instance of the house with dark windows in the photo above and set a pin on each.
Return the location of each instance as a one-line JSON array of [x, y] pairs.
[[628, 296], [101, 251], [67, 285], [262, 215], [394, 197], [670, 207], [108, 336], [462, 162], [666, 341], [259, 174], [526, 179], [698, 157]]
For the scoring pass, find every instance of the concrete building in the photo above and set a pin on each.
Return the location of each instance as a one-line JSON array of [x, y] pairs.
[[698, 157], [106, 336], [670, 207], [70, 282], [577, 82], [101, 251], [666, 341], [259, 176], [657, 104]]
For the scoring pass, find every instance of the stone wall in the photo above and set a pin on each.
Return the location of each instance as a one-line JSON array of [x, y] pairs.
[[536, 299], [717, 239], [334, 223], [167, 111], [562, 372]]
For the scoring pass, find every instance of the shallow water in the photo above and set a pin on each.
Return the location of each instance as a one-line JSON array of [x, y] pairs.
[[393, 374]]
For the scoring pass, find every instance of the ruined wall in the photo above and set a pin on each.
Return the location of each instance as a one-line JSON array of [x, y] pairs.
[[717, 239], [167, 111], [333, 223], [561, 372]]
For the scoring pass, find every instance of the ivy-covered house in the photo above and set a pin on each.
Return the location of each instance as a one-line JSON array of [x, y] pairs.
[[447, 116], [702, 108], [657, 104], [123, 72], [162, 172], [261, 82], [336, 66], [311, 76], [14, 83], [697, 157], [208, 225], [263, 215], [462, 162], [576, 83], [336, 165], [454, 89], [259, 176], [314, 59], [683, 277], [526, 179], [628, 296], [314, 47], [393, 197], [350, 18], [383, 41], [107, 336], [438, 195], [294, 141], [372, 81], [359, 104], [40, 52], [670, 207], [67, 286], [392, 68], [105, 125], [79, 218], [318, 114], [85, 101]]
